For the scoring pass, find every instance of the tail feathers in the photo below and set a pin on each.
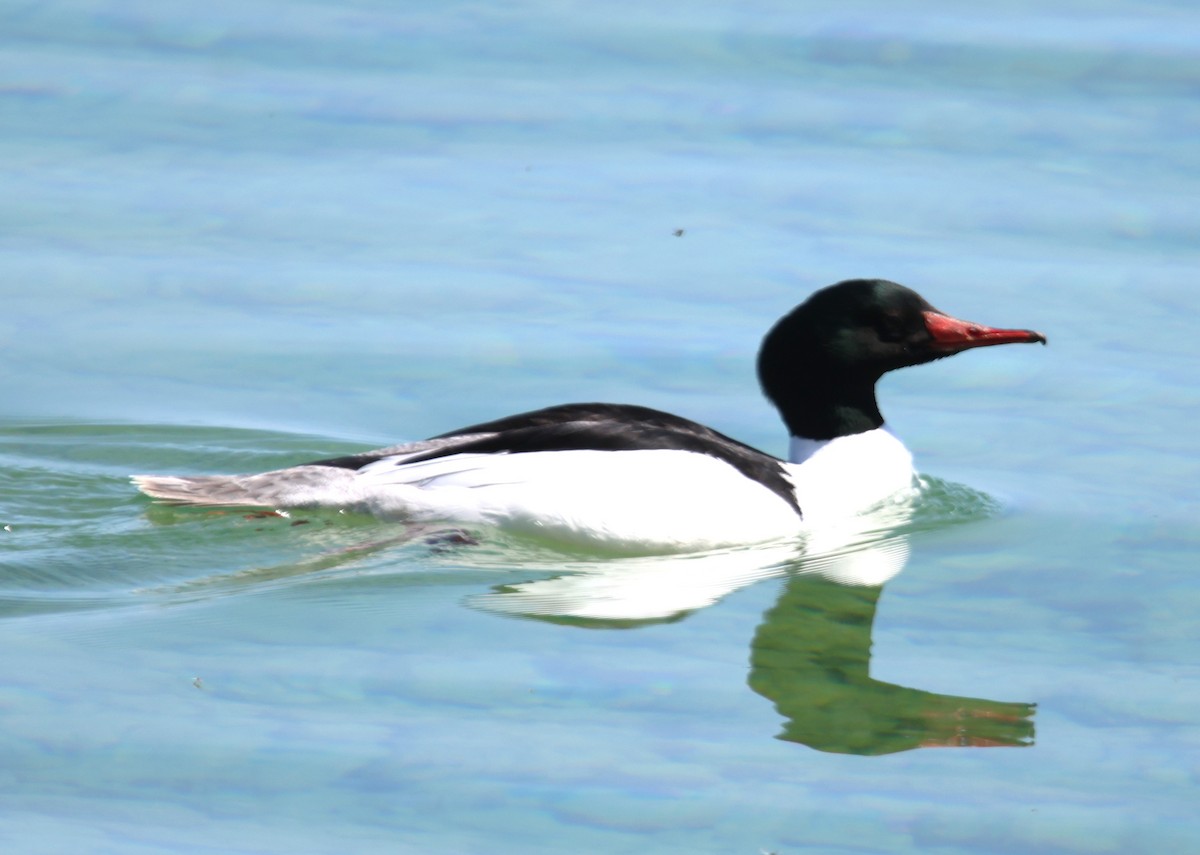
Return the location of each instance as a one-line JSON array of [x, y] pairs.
[[209, 490], [299, 486]]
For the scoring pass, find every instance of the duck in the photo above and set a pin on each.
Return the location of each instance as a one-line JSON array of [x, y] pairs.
[[628, 479]]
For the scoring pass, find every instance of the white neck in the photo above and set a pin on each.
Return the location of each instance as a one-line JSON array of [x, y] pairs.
[[800, 449]]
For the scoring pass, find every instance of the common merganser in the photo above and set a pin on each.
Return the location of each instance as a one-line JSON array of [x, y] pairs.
[[629, 479]]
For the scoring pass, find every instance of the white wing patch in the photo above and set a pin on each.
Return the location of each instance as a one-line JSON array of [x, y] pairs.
[[457, 470]]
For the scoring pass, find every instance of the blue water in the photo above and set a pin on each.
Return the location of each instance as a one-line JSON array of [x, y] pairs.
[[256, 234]]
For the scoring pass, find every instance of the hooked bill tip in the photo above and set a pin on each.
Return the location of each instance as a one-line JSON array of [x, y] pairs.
[[957, 335]]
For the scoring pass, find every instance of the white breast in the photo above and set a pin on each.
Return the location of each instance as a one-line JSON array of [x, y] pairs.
[[840, 477]]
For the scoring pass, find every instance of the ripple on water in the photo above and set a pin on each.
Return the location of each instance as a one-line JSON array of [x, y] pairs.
[[80, 537]]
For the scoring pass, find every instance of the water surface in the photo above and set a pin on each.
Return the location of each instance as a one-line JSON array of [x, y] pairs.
[[275, 232]]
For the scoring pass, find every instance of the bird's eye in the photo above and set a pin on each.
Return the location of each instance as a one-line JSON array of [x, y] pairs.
[[889, 327]]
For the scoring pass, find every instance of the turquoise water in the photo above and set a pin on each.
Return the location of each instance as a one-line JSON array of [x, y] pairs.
[[275, 232]]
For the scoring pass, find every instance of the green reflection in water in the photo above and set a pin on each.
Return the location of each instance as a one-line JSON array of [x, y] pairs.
[[811, 657]]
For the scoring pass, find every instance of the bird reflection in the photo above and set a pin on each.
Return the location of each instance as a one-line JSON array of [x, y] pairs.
[[810, 655]]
